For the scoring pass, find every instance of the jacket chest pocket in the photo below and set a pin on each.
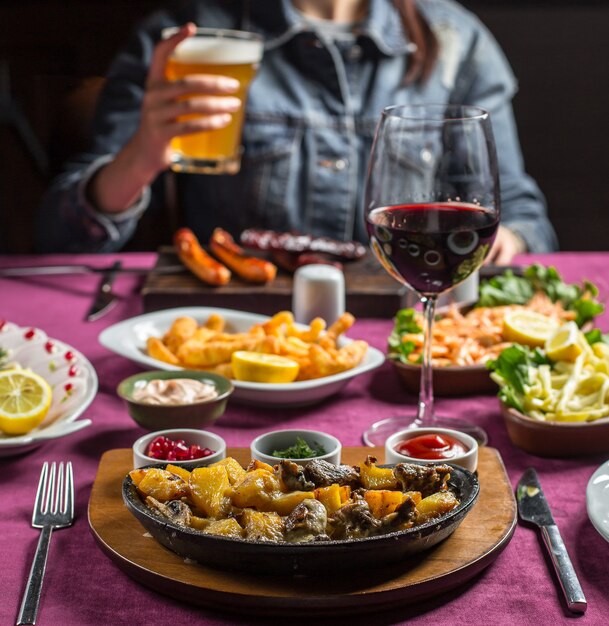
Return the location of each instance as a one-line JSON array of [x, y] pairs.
[[269, 171]]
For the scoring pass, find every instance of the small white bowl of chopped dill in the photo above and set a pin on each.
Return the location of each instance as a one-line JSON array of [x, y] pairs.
[[299, 446]]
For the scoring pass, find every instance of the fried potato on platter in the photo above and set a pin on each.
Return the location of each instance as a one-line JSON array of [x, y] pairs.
[[208, 346]]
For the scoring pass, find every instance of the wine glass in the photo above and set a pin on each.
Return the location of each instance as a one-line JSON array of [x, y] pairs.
[[432, 212]]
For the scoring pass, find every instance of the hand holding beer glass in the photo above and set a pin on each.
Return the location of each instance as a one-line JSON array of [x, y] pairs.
[[211, 51]]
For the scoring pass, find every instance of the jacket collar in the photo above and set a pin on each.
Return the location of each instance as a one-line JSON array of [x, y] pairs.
[[278, 22]]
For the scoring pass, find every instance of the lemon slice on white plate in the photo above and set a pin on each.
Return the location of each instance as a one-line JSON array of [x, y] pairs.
[[263, 368], [528, 327], [25, 399], [564, 344]]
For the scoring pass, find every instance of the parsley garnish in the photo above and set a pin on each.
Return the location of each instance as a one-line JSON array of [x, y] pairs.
[[300, 450]]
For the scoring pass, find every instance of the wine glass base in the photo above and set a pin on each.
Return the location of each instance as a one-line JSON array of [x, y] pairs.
[[378, 433]]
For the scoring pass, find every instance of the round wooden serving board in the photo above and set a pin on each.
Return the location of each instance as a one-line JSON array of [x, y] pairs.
[[480, 538]]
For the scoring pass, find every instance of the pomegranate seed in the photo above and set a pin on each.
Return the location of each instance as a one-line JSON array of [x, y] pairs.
[[29, 334], [68, 387], [163, 448], [2, 324], [69, 356], [73, 371], [49, 346]]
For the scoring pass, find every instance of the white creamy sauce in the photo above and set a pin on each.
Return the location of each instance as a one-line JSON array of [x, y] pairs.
[[174, 391]]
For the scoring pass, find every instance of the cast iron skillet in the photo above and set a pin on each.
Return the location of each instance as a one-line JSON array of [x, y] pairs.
[[305, 558]]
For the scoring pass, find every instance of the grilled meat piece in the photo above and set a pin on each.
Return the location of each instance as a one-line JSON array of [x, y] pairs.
[[427, 479], [354, 521], [295, 242], [307, 522], [175, 510], [324, 474], [291, 261], [293, 476], [403, 517]]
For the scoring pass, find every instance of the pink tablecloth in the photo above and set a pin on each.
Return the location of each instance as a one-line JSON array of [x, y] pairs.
[[83, 586]]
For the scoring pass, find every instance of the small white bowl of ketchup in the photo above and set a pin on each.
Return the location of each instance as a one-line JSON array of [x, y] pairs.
[[432, 445]]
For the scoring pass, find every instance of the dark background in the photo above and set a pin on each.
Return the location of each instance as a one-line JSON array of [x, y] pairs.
[[53, 52]]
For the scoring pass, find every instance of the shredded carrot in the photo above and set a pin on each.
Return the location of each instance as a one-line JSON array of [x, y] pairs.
[[476, 337]]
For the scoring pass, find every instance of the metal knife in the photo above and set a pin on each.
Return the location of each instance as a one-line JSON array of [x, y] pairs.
[[533, 508], [104, 298], [51, 270]]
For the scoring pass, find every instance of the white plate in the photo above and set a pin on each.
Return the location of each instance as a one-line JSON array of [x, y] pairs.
[[597, 499], [71, 376], [128, 338]]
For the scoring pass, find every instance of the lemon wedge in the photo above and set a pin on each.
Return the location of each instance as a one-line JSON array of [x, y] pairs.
[[25, 399], [528, 327], [259, 367], [563, 344]]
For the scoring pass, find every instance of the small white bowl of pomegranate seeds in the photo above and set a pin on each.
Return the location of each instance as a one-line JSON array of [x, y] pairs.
[[178, 446]]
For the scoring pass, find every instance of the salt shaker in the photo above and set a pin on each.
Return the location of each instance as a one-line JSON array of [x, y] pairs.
[[319, 291], [464, 293], [467, 291]]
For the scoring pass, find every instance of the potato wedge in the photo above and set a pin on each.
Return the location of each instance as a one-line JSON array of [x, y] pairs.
[[208, 489], [435, 505]]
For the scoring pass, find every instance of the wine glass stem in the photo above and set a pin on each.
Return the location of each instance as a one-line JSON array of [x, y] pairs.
[[426, 415]]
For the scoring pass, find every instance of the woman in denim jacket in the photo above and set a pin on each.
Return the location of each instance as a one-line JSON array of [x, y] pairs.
[[329, 68]]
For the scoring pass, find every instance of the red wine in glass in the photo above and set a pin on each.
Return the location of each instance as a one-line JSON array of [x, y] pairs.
[[432, 246], [432, 209]]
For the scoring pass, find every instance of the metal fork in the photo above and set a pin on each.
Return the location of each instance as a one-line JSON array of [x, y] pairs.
[[54, 508]]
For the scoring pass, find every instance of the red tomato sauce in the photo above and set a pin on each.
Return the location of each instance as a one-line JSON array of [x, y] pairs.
[[431, 446]]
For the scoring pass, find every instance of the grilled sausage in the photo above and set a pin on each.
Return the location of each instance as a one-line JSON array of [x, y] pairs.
[[290, 242], [197, 260], [249, 268]]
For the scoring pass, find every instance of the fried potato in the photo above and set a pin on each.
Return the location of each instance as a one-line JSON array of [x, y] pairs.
[[351, 355], [158, 350], [215, 322], [205, 354], [203, 333], [341, 325], [224, 369], [279, 320], [183, 328], [210, 347], [316, 327]]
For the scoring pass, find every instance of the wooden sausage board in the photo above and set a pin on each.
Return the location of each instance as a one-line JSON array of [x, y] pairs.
[[476, 543], [370, 291]]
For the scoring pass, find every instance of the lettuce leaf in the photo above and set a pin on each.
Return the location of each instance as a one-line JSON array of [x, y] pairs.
[[404, 324], [596, 336], [507, 288], [511, 372], [504, 289]]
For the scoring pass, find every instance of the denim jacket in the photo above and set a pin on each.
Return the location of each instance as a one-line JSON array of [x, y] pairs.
[[310, 120]]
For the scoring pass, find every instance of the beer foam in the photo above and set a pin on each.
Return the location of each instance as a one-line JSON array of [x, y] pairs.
[[219, 50]]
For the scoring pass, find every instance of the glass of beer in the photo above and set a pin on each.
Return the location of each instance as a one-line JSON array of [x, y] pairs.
[[231, 53]]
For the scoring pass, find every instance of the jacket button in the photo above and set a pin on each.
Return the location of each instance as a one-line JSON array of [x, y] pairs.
[[338, 164]]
